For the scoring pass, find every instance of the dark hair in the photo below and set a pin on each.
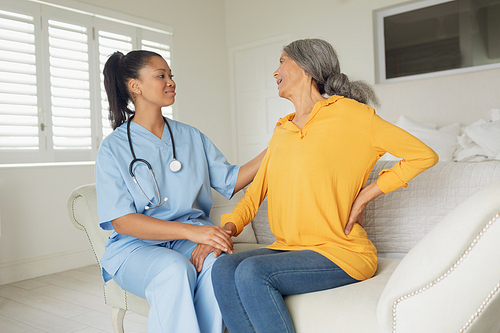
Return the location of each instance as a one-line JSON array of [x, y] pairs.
[[318, 58], [118, 70]]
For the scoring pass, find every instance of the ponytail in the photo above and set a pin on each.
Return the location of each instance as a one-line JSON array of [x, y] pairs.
[[339, 84], [117, 100], [318, 58], [118, 70]]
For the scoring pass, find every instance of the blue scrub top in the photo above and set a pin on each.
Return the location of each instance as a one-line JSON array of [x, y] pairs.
[[188, 191]]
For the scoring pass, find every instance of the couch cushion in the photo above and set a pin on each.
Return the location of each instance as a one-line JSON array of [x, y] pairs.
[[396, 221], [240, 247], [261, 227], [223, 206], [351, 308]]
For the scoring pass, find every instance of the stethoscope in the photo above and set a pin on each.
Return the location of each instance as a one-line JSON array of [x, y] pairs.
[[174, 165]]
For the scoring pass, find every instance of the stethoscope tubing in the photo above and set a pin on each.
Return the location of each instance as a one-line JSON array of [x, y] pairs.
[[132, 148], [174, 165]]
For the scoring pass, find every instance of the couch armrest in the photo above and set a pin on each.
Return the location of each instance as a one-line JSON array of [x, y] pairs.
[[451, 279]]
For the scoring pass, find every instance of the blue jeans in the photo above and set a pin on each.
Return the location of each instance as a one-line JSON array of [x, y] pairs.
[[249, 286]]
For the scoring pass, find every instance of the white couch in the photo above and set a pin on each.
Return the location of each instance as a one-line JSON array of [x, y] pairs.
[[448, 222]]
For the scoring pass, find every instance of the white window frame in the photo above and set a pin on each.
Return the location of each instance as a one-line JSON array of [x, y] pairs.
[[380, 70], [93, 18]]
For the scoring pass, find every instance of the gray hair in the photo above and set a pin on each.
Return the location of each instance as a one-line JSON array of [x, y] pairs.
[[318, 58]]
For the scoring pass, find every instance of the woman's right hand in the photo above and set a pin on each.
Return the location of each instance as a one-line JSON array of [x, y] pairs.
[[212, 235], [230, 227]]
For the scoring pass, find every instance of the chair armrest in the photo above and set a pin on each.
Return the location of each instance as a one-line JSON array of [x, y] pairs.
[[82, 211], [450, 279]]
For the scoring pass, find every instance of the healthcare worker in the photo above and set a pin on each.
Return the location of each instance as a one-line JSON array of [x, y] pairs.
[[153, 178]]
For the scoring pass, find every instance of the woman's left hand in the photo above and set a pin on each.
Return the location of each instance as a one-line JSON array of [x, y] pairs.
[[199, 254], [366, 195], [356, 216]]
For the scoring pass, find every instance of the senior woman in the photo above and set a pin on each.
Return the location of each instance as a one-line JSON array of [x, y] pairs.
[[313, 175]]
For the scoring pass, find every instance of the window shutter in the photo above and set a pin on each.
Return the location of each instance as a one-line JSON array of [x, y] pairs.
[[18, 91], [108, 44], [53, 107], [164, 51], [70, 86]]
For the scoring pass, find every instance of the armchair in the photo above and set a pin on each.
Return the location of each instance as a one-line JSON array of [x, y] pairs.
[[82, 210]]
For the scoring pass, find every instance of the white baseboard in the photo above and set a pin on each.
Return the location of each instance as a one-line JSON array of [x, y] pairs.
[[44, 265]]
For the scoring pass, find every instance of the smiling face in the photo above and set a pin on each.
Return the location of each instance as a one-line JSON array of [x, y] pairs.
[[289, 76], [155, 85]]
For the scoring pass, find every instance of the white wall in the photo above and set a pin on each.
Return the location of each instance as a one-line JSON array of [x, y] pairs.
[[348, 26], [462, 98], [37, 237]]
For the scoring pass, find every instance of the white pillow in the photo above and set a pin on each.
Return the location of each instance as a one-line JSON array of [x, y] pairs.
[[487, 136], [443, 141], [474, 153], [495, 114], [467, 149], [464, 141], [406, 122]]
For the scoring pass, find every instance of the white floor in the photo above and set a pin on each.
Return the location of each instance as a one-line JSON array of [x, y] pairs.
[[65, 302]]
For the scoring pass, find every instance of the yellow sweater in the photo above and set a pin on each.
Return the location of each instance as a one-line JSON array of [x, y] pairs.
[[313, 175]]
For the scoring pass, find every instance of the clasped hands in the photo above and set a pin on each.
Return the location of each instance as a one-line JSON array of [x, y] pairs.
[[211, 238]]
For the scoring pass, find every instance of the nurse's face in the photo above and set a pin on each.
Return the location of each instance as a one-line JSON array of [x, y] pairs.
[[155, 83], [289, 76]]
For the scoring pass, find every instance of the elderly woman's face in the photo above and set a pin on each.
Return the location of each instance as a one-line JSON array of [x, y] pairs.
[[289, 76]]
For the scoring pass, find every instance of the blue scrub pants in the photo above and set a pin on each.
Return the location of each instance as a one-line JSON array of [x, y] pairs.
[[250, 286], [180, 300]]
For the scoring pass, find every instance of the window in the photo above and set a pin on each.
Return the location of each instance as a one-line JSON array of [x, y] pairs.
[[437, 36], [18, 77], [53, 107]]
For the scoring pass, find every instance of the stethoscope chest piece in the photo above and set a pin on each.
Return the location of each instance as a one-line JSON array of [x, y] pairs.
[[175, 165]]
